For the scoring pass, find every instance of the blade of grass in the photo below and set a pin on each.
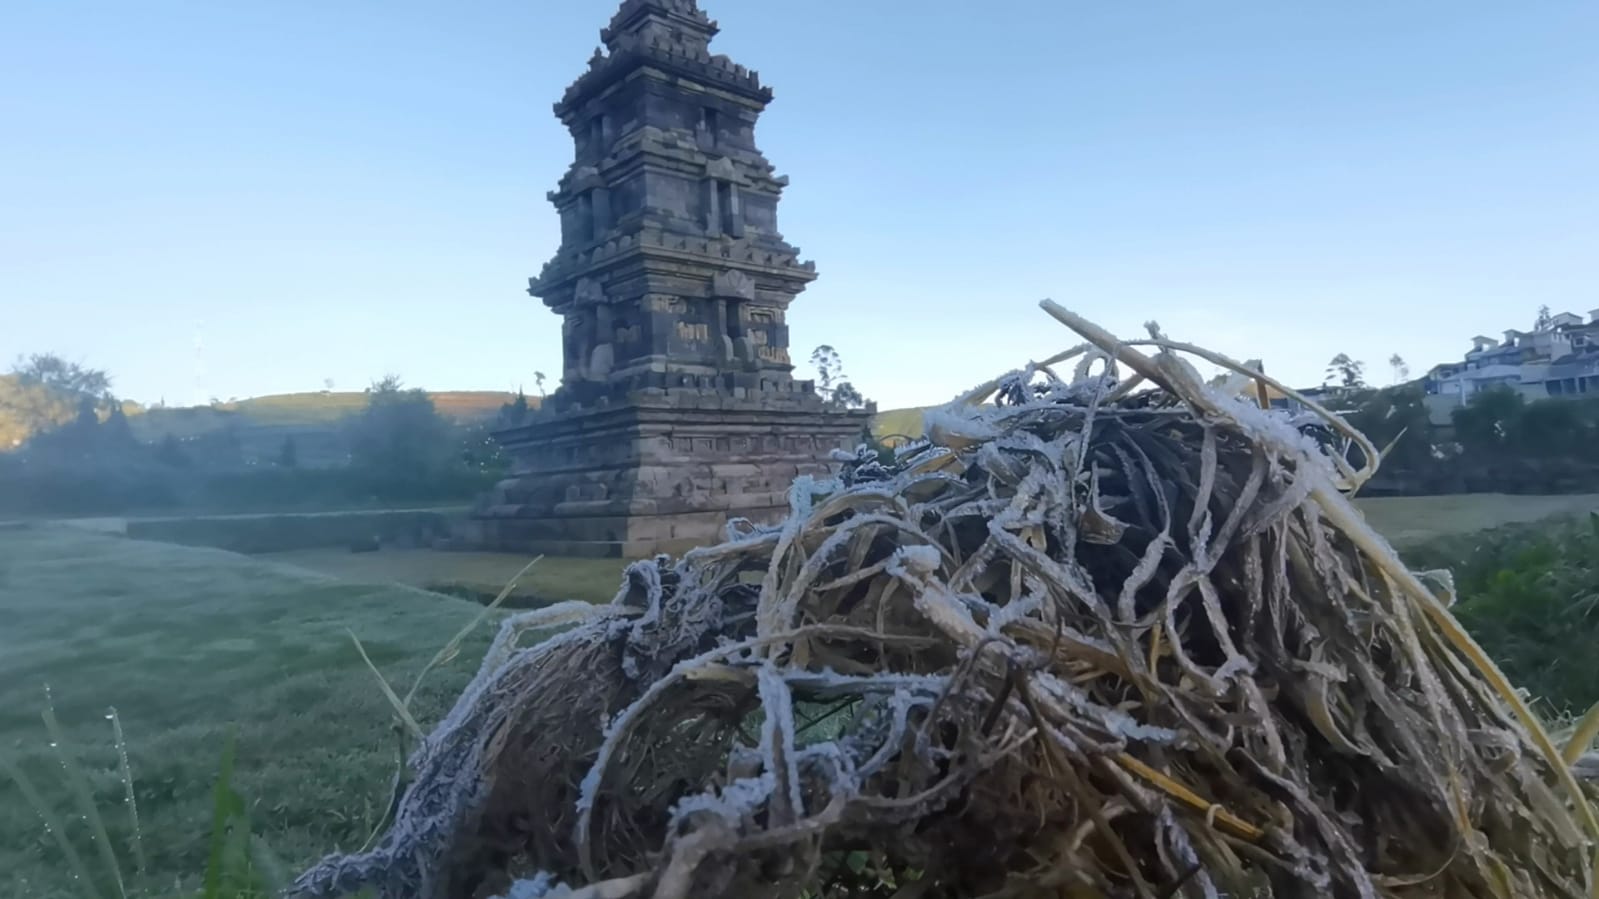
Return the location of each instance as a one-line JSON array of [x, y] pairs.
[[397, 787], [52, 824], [84, 796], [221, 808], [1582, 736], [454, 646], [447, 652], [388, 692], [1383, 454], [136, 841], [239, 874]]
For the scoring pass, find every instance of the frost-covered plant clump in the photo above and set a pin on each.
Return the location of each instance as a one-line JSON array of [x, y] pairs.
[[1118, 633]]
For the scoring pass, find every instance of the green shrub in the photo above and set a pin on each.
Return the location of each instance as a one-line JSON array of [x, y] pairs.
[[1530, 595], [401, 452]]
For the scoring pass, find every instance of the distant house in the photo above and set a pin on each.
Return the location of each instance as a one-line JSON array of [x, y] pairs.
[[1557, 361]]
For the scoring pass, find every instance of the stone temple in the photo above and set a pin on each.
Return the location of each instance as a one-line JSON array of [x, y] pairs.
[[677, 408]]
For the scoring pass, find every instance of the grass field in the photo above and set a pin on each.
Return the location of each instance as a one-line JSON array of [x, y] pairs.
[[187, 643], [1404, 521], [482, 574], [1409, 519]]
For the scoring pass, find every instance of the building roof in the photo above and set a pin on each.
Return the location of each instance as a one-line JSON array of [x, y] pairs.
[[1574, 366], [672, 36], [635, 16]]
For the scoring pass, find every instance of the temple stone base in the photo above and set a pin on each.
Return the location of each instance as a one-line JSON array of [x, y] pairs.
[[654, 475]]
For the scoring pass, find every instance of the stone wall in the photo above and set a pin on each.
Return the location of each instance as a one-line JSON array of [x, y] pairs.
[[281, 533], [643, 478]]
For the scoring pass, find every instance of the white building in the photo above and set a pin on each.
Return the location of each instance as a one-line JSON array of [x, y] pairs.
[[1559, 360]]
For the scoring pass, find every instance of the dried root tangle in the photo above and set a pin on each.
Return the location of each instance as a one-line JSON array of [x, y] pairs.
[[1106, 635]]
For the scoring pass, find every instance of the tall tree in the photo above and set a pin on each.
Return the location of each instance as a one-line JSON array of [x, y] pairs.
[[513, 413], [829, 369], [289, 453], [831, 382], [44, 392], [1397, 420], [847, 396], [1552, 428], [115, 430], [1489, 424], [1345, 372], [56, 373], [1545, 320], [171, 453], [399, 434], [1400, 367]]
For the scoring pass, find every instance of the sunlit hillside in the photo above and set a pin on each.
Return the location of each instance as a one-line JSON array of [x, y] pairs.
[[302, 410], [899, 422]]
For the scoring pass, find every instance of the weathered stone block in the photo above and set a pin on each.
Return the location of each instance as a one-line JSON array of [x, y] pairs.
[[690, 493]]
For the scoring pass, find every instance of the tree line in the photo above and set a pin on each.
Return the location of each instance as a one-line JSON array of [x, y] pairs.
[[72, 450], [1498, 436], [1499, 440]]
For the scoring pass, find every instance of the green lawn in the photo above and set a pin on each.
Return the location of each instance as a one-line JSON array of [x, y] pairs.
[[551, 580], [1410, 519], [187, 643]]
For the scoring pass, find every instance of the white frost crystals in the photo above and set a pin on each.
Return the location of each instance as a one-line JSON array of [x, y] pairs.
[[1116, 633]]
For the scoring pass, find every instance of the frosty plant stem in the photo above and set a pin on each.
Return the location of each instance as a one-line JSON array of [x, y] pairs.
[[1582, 736], [84, 796], [52, 824], [136, 839], [1146, 618], [1343, 515]]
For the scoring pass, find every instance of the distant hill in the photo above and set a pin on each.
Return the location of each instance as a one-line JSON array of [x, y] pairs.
[[899, 422], [311, 409], [302, 411], [307, 416], [465, 406]]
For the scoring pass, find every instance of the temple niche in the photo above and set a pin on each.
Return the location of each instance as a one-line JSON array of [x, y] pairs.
[[677, 407]]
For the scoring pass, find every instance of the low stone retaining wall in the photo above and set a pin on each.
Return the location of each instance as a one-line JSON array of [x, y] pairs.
[[284, 532]]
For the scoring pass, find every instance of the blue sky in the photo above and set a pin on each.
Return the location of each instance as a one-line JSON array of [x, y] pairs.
[[339, 190]]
